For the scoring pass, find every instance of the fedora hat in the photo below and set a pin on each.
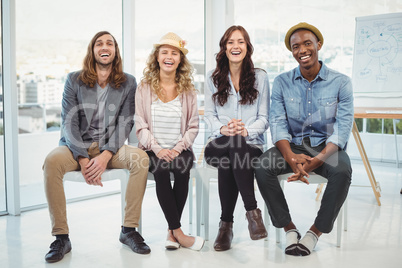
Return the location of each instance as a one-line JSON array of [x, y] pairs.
[[306, 26], [174, 40]]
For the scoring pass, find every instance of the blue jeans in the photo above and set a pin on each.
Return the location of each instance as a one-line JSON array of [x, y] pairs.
[[337, 169]]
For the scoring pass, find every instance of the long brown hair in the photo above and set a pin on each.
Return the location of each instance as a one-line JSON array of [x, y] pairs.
[[88, 74], [183, 79], [220, 76]]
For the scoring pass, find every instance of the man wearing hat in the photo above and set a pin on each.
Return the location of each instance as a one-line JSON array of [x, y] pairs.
[[311, 118]]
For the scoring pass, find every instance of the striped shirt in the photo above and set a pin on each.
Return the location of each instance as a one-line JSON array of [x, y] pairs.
[[166, 120]]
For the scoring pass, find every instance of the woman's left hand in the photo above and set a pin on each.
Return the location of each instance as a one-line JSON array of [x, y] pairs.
[[244, 132], [165, 154], [174, 153]]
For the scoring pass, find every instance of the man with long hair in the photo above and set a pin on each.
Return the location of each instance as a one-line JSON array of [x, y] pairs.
[[97, 117]]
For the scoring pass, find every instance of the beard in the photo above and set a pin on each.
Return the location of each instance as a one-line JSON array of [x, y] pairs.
[[102, 64]]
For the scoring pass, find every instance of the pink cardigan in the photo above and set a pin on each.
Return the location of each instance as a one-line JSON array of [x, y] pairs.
[[143, 124]]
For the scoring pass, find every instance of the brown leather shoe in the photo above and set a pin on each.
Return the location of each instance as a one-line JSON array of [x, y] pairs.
[[255, 224], [224, 238]]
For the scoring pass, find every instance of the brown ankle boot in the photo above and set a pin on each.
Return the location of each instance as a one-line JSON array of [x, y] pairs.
[[224, 238], [255, 224]]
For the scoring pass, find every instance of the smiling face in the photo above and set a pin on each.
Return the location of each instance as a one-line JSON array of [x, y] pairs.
[[236, 47], [104, 50], [168, 58], [305, 47]]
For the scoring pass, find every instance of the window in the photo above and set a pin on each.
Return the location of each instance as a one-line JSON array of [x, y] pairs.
[[3, 203], [185, 18], [267, 22], [359, 124], [389, 128], [52, 39]]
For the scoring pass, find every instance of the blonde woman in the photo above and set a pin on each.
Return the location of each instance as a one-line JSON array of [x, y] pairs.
[[166, 119]]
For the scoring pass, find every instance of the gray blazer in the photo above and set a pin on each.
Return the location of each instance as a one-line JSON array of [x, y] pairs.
[[78, 104]]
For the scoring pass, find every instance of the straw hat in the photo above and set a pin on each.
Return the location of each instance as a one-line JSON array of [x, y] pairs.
[[306, 26], [172, 39]]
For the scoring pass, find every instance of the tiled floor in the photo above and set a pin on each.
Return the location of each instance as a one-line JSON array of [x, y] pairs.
[[373, 239]]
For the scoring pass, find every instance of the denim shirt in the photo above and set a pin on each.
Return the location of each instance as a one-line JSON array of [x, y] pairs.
[[255, 116], [321, 109]]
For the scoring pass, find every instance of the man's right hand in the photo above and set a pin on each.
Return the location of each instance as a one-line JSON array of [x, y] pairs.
[[83, 161], [295, 161]]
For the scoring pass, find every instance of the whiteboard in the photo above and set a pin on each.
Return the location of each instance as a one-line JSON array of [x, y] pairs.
[[377, 58]]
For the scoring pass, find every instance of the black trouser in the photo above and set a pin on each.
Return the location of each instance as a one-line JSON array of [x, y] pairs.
[[235, 160], [172, 200], [337, 169]]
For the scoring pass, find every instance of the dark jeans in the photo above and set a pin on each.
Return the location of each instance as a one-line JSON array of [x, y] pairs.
[[172, 200], [337, 169], [235, 160]]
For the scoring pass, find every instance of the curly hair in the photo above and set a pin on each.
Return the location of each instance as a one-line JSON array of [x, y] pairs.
[[183, 79], [220, 76], [88, 74]]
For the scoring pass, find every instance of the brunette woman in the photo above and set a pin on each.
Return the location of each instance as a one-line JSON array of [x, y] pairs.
[[236, 111]]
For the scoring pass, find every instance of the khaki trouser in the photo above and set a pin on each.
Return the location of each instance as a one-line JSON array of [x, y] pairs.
[[60, 161]]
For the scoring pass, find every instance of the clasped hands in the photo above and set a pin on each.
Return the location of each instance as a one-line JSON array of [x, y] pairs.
[[234, 127], [167, 155], [301, 165], [93, 169]]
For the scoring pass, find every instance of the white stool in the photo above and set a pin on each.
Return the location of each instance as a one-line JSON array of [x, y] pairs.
[[203, 174]]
